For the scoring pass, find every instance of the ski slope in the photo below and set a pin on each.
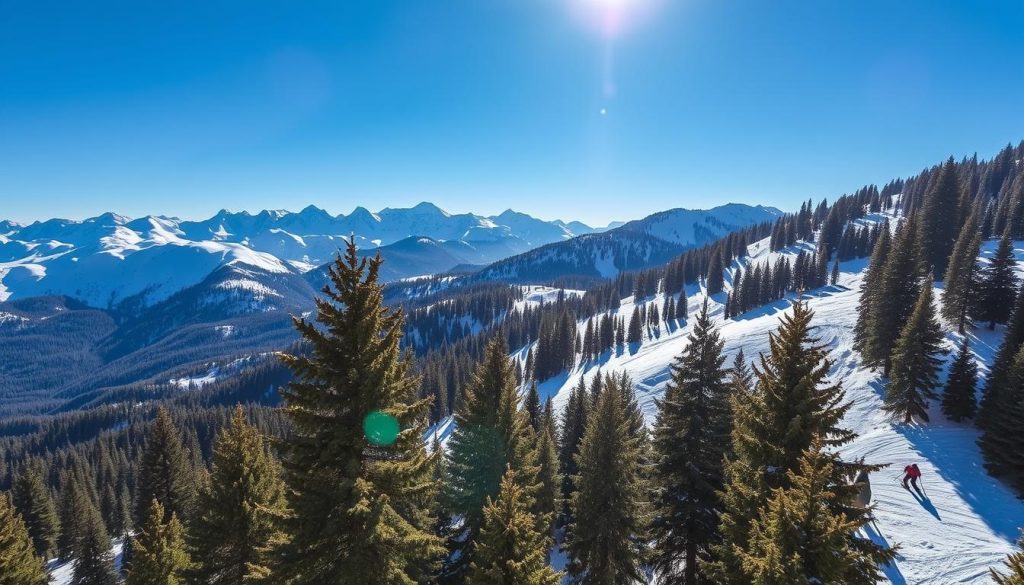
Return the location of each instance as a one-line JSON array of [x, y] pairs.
[[970, 521]]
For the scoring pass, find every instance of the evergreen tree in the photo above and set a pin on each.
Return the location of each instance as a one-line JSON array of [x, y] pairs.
[[958, 398], [740, 377], [636, 331], [533, 412], [19, 564], [715, 279], [893, 302], [834, 277], [358, 496], [574, 422], [792, 404], [1015, 564], [691, 437], [492, 436], [549, 496], [869, 290], [72, 503], [798, 537], [998, 285], [239, 511], [605, 539], [159, 557], [915, 362], [992, 402], [33, 503], [939, 219], [94, 565], [510, 550], [960, 283], [165, 474], [1002, 441]]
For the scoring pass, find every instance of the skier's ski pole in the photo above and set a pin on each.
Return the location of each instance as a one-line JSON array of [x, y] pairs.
[[924, 491]]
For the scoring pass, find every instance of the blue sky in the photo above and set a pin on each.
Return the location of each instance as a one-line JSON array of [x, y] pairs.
[[183, 108]]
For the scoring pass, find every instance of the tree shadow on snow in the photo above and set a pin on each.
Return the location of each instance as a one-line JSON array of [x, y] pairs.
[[891, 570]]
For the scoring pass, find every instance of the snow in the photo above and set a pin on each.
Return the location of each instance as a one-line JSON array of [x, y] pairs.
[[61, 573], [971, 520]]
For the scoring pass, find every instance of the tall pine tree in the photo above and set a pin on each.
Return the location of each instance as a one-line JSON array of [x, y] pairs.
[[799, 537], [94, 565], [992, 402], [510, 550], [958, 398], [158, 551], [998, 285], [915, 362], [165, 473], [358, 497], [960, 283], [492, 435], [691, 437], [793, 404], [19, 564], [605, 540], [939, 219], [239, 512], [33, 502]]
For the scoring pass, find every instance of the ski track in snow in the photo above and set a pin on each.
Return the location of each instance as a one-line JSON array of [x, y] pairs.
[[970, 521]]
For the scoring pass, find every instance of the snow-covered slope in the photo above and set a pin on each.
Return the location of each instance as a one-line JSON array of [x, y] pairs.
[[970, 521], [108, 259], [639, 244]]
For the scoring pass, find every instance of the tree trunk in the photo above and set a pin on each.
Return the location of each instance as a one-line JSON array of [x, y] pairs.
[[691, 564]]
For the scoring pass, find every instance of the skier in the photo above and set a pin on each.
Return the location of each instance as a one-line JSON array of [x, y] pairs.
[[911, 473]]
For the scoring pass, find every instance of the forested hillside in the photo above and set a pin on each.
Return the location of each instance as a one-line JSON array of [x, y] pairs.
[[710, 419]]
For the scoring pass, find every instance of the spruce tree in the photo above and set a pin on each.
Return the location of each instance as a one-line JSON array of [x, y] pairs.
[[958, 398], [939, 219], [715, 280], [491, 436], [893, 301], [605, 539], [165, 473], [799, 537], [991, 406], [574, 422], [19, 564], [510, 550], [960, 283], [33, 503], [532, 406], [915, 362], [159, 555], [1015, 564], [998, 285], [869, 290], [71, 515], [792, 404], [740, 377], [549, 496], [357, 495], [239, 512], [94, 565], [1002, 441], [691, 437]]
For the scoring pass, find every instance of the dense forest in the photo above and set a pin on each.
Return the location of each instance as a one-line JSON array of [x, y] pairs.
[[314, 464]]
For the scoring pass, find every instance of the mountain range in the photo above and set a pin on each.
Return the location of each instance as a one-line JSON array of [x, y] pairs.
[[134, 301]]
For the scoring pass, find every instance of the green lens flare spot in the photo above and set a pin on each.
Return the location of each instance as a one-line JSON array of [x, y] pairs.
[[380, 428]]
